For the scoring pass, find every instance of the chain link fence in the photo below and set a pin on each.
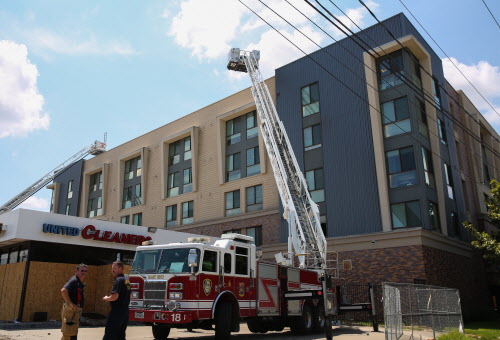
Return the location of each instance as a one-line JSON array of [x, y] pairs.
[[413, 311]]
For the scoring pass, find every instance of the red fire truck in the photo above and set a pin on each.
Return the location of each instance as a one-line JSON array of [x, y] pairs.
[[201, 285]]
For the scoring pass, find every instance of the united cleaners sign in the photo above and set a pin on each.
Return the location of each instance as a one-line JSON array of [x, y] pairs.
[[92, 233]]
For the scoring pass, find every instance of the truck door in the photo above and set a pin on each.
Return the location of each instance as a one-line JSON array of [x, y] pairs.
[[242, 279], [209, 282], [228, 271]]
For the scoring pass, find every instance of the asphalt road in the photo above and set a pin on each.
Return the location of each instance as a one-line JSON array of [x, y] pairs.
[[143, 332]]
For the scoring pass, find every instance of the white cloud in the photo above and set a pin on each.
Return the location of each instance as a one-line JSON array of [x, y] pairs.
[[46, 41], [486, 79], [36, 203], [20, 102]]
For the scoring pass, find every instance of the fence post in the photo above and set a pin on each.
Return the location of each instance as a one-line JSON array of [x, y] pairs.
[[373, 311]]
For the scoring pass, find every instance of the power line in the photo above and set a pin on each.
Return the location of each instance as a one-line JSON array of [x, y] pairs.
[[491, 13], [340, 81], [449, 58]]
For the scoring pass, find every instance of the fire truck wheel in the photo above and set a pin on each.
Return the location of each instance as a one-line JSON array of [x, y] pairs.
[[223, 321], [319, 318], [304, 323], [161, 332], [256, 326]]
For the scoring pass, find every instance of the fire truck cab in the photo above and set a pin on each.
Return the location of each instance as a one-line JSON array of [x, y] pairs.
[[216, 286]]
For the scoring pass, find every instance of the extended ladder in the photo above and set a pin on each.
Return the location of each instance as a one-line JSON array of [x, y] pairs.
[[93, 149]]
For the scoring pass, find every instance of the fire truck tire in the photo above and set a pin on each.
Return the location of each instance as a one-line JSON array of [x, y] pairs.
[[256, 326], [161, 332], [303, 324], [223, 321], [319, 318]]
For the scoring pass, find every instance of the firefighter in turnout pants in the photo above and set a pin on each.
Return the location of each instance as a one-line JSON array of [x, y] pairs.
[[74, 298], [116, 325]]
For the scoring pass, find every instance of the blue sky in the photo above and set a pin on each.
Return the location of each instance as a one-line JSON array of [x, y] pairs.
[[71, 71]]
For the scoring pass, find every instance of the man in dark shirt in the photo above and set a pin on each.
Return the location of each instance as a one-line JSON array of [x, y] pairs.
[[74, 298], [116, 324]]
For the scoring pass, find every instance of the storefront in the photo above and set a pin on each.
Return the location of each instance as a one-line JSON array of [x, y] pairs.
[[39, 251]]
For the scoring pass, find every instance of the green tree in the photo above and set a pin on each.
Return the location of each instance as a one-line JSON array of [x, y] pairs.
[[489, 243]]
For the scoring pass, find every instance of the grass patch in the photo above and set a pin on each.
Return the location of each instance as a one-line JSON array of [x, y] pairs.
[[456, 335], [481, 330]]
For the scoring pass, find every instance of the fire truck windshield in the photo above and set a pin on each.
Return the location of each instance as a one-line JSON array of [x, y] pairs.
[[170, 260]]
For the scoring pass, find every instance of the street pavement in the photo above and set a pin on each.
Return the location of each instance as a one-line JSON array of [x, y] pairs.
[[144, 332]]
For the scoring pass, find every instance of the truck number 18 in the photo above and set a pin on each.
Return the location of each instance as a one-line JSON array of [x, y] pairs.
[[176, 317]]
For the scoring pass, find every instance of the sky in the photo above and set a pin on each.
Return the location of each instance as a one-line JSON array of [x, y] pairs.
[[71, 71]]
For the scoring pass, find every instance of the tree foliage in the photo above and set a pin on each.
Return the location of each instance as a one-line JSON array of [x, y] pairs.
[[489, 243]]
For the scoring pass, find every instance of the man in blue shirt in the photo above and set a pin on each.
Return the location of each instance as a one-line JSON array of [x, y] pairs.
[[116, 324], [74, 299]]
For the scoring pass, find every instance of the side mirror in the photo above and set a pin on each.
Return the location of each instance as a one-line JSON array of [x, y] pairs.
[[192, 258]]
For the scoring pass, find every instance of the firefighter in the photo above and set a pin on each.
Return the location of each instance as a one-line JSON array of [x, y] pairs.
[[116, 325], [74, 298]]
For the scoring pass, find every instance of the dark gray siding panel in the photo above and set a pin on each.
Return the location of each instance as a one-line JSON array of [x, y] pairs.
[[72, 173]]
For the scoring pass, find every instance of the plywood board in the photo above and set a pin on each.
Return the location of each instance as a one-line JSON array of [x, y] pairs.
[[12, 284]]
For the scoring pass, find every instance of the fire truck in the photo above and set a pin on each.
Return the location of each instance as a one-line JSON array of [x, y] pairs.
[[216, 286]]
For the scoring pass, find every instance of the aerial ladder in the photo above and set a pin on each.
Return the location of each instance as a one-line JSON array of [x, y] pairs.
[[93, 149], [305, 234]]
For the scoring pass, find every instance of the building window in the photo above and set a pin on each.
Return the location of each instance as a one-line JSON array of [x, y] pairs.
[[312, 137], [133, 168], [390, 70], [132, 196], [173, 184], [441, 131], [437, 93], [252, 129], [52, 200], [125, 219], [68, 208], [90, 208], [70, 189], [428, 168], [253, 161], [233, 131], [187, 148], [396, 117], [4, 258], [174, 152], [233, 165], [415, 70], [172, 215], [187, 212], [254, 198], [310, 100], [401, 167], [256, 233], [95, 182], [233, 203], [449, 180], [187, 181], [316, 185], [434, 216], [406, 214], [94, 202], [486, 172], [455, 224], [137, 219], [422, 118]]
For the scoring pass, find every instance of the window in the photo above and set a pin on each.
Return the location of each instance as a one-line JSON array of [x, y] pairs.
[[401, 167], [428, 168], [99, 206], [95, 182], [90, 211], [396, 117], [455, 224], [434, 216], [228, 263], [187, 212], [390, 70], [127, 198], [13, 257], [174, 152], [187, 148], [252, 129], [312, 137], [449, 180], [125, 219], [241, 261], [173, 184], [254, 198], [441, 131], [256, 233], [23, 255], [233, 167], [233, 203], [187, 181], [137, 219], [133, 168], [486, 172], [132, 196], [437, 94], [172, 215], [209, 261], [310, 100], [138, 195], [415, 71], [422, 118], [316, 184], [67, 210], [4, 258], [406, 214], [70, 189], [253, 161], [94, 202], [233, 131], [52, 200]]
